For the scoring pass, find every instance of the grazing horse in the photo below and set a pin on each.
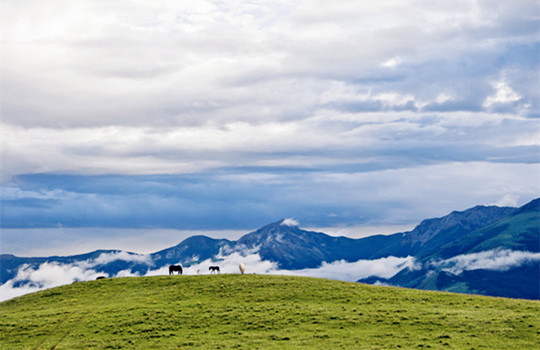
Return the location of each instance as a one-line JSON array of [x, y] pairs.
[[214, 269], [101, 277], [242, 268], [174, 268]]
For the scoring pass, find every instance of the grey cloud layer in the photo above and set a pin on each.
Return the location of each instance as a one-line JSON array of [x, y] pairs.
[[247, 198], [342, 107], [328, 139]]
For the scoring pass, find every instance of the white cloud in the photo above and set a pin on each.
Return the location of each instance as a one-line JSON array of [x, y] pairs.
[[214, 63], [338, 270], [503, 94], [392, 62], [53, 274], [164, 270], [290, 222], [497, 260], [229, 264], [106, 258], [127, 273], [49, 275], [443, 97], [353, 271], [132, 150], [508, 200]]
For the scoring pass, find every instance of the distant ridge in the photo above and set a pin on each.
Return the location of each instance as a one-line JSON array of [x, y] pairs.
[[481, 229], [431, 234], [513, 237]]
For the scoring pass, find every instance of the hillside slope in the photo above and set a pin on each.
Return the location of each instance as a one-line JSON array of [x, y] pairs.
[[261, 311], [427, 237], [513, 241]]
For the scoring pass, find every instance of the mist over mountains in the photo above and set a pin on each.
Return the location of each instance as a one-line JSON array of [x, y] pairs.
[[484, 250]]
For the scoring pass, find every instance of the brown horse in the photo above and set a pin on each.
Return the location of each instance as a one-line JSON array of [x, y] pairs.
[[174, 268]]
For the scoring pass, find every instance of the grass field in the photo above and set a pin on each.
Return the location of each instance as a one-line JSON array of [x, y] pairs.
[[261, 312]]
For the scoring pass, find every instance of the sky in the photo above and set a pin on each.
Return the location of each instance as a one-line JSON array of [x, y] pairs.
[[223, 116]]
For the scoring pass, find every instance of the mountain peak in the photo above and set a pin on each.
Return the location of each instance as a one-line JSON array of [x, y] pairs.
[[289, 222], [283, 226]]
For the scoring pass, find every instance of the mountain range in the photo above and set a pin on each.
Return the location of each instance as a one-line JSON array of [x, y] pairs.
[[485, 250]]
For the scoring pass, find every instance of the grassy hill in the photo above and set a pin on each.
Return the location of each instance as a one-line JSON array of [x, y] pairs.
[[261, 311]]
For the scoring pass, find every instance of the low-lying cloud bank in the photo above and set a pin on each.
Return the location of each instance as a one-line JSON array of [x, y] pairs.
[[496, 260], [53, 274], [48, 275], [353, 271]]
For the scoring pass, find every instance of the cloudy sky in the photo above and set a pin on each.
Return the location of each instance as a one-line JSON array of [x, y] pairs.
[[228, 115]]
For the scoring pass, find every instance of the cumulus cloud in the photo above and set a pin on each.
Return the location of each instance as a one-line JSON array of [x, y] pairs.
[[496, 260], [503, 94]]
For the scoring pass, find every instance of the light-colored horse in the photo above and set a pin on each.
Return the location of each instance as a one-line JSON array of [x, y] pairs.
[[242, 268]]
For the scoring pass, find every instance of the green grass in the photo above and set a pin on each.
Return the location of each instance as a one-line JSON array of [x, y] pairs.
[[264, 312]]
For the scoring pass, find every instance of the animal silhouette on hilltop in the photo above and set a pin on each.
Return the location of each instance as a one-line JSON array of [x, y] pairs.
[[175, 268]]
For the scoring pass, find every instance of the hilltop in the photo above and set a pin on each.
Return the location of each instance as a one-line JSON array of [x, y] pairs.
[[265, 312]]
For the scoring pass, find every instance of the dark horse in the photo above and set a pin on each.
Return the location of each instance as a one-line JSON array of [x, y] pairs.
[[214, 269], [174, 268]]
